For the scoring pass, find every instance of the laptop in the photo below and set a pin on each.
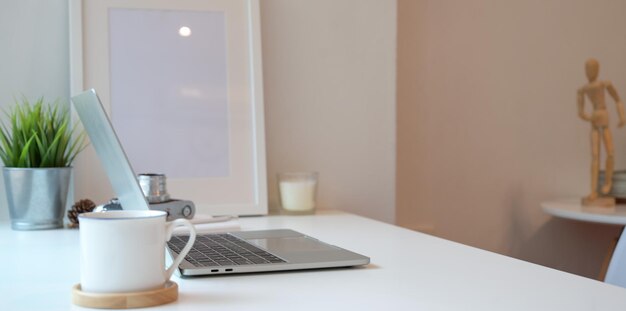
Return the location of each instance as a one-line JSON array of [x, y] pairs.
[[214, 253]]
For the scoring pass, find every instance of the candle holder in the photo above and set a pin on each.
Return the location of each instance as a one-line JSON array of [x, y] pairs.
[[297, 192]]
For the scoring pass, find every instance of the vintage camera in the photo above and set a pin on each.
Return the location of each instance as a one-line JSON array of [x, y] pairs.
[[154, 189]]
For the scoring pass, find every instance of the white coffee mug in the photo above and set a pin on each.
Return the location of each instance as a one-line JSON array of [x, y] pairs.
[[124, 251]]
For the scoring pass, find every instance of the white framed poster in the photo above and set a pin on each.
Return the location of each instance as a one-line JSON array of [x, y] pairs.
[[182, 84]]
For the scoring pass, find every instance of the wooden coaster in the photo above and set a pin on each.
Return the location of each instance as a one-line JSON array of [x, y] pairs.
[[167, 294]]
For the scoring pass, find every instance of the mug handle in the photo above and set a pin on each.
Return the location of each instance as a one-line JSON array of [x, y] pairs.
[[168, 235]]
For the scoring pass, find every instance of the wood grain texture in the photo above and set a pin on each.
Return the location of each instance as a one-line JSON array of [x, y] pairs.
[[167, 294]]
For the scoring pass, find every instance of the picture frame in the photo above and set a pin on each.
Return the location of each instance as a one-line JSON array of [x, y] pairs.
[[217, 162]]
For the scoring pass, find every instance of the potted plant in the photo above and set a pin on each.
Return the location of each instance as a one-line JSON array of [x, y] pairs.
[[37, 145]]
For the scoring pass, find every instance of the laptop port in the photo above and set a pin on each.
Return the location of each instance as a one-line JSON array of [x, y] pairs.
[[215, 270], [229, 270]]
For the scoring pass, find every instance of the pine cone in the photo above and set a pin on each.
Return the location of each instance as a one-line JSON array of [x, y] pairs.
[[82, 206], [72, 216]]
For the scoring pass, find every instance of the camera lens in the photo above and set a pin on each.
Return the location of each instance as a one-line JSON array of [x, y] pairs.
[[153, 187]]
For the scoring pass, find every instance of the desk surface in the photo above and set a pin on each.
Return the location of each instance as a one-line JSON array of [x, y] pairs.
[[409, 271], [572, 209]]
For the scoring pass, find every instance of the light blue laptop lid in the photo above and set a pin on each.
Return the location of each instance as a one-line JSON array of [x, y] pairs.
[[109, 150]]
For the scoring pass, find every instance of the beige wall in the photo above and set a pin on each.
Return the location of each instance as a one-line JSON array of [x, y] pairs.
[[487, 125], [329, 71], [329, 75]]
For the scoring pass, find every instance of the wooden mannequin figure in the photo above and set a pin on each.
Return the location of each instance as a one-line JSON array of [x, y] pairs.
[[600, 131]]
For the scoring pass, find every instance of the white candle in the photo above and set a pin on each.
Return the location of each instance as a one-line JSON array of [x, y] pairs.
[[297, 195]]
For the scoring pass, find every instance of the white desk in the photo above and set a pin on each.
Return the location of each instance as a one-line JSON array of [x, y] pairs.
[[409, 271]]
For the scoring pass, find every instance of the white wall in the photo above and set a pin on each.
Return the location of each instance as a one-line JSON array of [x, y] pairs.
[[329, 71], [329, 75], [488, 126], [33, 55]]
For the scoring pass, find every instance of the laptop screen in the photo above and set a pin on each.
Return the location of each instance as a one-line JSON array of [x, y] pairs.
[[109, 150]]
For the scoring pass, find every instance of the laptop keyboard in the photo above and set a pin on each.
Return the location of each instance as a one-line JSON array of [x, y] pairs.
[[221, 250]]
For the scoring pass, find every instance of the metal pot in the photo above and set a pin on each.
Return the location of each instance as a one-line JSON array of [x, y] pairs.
[[37, 197]]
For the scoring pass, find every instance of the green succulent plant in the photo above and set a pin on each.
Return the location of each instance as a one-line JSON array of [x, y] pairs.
[[39, 135]]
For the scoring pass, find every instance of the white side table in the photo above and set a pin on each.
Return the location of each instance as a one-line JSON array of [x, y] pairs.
[[572, 209]]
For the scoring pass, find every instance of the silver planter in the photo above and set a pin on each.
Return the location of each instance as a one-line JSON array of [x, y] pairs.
[[37, 196]]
